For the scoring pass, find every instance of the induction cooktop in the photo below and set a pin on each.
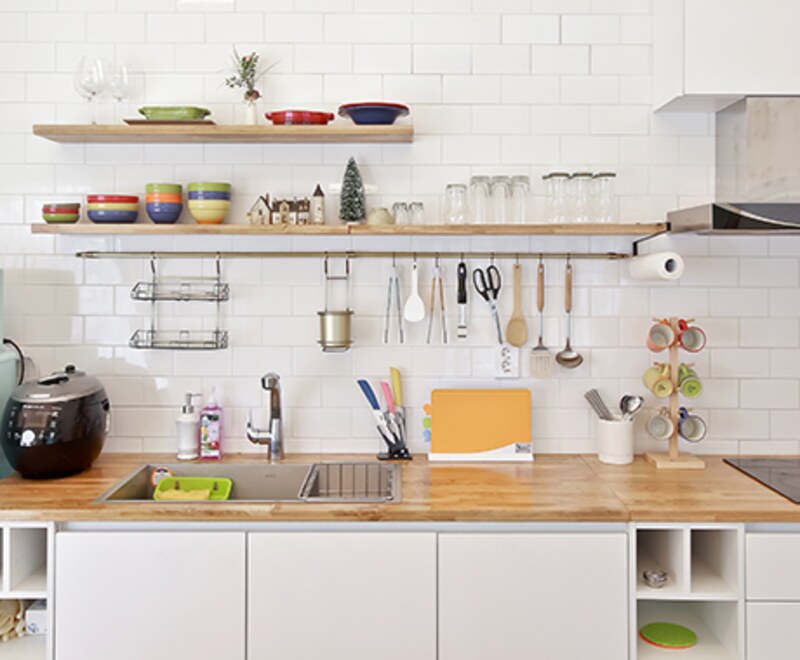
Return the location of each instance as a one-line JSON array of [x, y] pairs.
[[780, 474]]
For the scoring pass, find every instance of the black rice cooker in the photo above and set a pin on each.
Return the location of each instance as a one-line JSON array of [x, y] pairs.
[[55, 426]]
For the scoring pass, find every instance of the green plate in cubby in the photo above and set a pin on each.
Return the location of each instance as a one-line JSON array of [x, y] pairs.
[[668, 635]]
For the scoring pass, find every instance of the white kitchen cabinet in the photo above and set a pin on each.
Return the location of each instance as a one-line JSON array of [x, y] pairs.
[[711, 53], [342, 596], [773, 595], [134, 595], [558, 596]]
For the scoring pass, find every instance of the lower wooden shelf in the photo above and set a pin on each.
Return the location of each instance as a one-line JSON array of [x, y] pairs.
[[638, 229]]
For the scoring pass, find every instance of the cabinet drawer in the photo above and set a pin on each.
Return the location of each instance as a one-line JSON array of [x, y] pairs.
[[773, 566], [772, 631]]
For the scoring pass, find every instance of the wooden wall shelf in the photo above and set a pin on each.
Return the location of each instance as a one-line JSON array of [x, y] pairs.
[[203, 133], [355, 230]]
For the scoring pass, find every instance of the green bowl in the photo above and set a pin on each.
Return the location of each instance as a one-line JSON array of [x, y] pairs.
[[164, 188], [61, 218], [173, 112], [213, 186]]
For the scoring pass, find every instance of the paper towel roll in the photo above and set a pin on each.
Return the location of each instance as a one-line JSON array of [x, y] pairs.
[[657, 266]]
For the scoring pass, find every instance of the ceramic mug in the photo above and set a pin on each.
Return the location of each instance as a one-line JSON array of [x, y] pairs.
[[688, 382], [691, 427], [660, 425], [691, 337], [660, 336], [657, 380]]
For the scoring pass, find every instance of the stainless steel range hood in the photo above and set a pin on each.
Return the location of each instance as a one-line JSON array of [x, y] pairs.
[[737, 219]]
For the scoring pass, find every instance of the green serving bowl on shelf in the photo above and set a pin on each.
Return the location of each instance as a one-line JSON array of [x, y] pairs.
[[61, 218], [173, 112], [164, 188]]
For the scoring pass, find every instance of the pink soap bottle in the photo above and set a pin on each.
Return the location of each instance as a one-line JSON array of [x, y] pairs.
[[211, 429]]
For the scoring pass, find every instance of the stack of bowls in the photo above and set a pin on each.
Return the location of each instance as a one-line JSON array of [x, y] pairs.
[[164, 202], [66, 213], [112, 208], [209, 202]]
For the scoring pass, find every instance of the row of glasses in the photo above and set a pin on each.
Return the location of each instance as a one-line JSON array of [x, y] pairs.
[[95, 76], [580, 197], [489, 200], [412, 213]]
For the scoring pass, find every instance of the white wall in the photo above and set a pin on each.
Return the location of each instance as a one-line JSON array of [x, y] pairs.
[[500, 86]]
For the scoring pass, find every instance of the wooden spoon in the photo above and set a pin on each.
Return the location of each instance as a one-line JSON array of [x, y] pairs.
[[517, 329]]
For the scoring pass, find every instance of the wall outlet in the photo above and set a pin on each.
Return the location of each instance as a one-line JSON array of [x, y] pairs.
[[506, 361]]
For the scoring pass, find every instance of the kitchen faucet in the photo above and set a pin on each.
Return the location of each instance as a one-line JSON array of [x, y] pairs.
[[272, 436]]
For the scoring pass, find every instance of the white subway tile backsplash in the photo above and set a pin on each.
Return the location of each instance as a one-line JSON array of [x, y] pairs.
[[598, 29], [561, 59], [504, 87], [521, 29]]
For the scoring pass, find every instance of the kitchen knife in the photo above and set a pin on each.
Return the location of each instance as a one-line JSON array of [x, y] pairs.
[[391, 414], [462, 300], [380, 421], [397, 390]]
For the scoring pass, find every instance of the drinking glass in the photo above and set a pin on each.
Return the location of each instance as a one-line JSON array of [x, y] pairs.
[[556, 184], [520, 188], [501, 194], [602, 195], [456, 209], [120, 84], [579, 184], [400, 213], [479, 199], [90, 81], [417, 212]]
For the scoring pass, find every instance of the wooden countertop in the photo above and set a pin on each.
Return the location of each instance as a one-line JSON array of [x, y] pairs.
[[562, 488]]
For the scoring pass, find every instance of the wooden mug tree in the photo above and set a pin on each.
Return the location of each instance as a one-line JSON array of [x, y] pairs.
[[673, 459]]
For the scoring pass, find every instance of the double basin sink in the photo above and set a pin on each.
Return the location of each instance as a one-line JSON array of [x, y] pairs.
[[276, 482]]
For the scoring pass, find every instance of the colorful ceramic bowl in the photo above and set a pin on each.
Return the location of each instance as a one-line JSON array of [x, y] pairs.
[[209, 185], [208, 216], [111, 206], [208, 194], [217, 204], [61, 218], [120, 217], [166, 214], [175, 198], [164, 188], [61, 207], [118, 199], [375, 112], [173, 112]]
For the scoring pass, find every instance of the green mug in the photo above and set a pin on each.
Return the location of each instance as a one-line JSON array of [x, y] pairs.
[[657, 380], [688, 382]]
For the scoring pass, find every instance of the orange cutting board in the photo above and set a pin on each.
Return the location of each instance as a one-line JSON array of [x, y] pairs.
[[478, 421]]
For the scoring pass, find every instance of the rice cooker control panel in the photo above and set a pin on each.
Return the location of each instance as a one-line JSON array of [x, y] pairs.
[[31, 425]]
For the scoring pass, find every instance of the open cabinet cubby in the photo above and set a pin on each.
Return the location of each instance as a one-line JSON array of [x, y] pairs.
[[25, 574], [704, 592]]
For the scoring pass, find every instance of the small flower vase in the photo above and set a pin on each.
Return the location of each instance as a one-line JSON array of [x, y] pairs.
[[250, 113]]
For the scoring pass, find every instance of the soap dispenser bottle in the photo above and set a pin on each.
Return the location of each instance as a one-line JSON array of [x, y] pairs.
[[211, 429], [187, 425]]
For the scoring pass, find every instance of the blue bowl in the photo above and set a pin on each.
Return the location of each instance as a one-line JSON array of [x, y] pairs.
[[373, 113], [120, 217], [165, 213], [208, 194]]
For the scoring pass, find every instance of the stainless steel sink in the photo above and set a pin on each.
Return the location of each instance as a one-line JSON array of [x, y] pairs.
[[284, 482]]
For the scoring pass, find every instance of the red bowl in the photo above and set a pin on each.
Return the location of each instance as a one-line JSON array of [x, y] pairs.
[[289, 117], [57, 209], [116, 199]]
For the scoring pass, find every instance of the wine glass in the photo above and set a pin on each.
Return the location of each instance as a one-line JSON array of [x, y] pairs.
[[120, 84], [90, 81]]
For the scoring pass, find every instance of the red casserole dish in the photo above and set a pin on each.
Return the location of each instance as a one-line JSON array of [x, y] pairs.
[[289, 117]]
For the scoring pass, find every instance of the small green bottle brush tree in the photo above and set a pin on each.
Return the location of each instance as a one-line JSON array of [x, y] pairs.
[[352, 202]]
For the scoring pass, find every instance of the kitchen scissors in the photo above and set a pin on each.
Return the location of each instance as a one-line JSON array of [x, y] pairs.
[[487, 284]]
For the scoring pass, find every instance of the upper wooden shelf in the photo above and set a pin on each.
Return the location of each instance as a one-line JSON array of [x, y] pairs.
[[175, 133], [356, 230]]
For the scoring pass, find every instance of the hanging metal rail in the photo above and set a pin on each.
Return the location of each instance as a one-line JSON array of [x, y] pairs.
[[354, 254]]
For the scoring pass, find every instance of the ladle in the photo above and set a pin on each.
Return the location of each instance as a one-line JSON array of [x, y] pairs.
[[630, 404], [569, 358]]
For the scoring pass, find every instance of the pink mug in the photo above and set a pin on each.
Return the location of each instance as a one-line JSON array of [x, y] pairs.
[[691, 337], [660, 336]]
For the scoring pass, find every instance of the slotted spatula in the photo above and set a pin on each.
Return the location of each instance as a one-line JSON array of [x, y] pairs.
[[541, 357]]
